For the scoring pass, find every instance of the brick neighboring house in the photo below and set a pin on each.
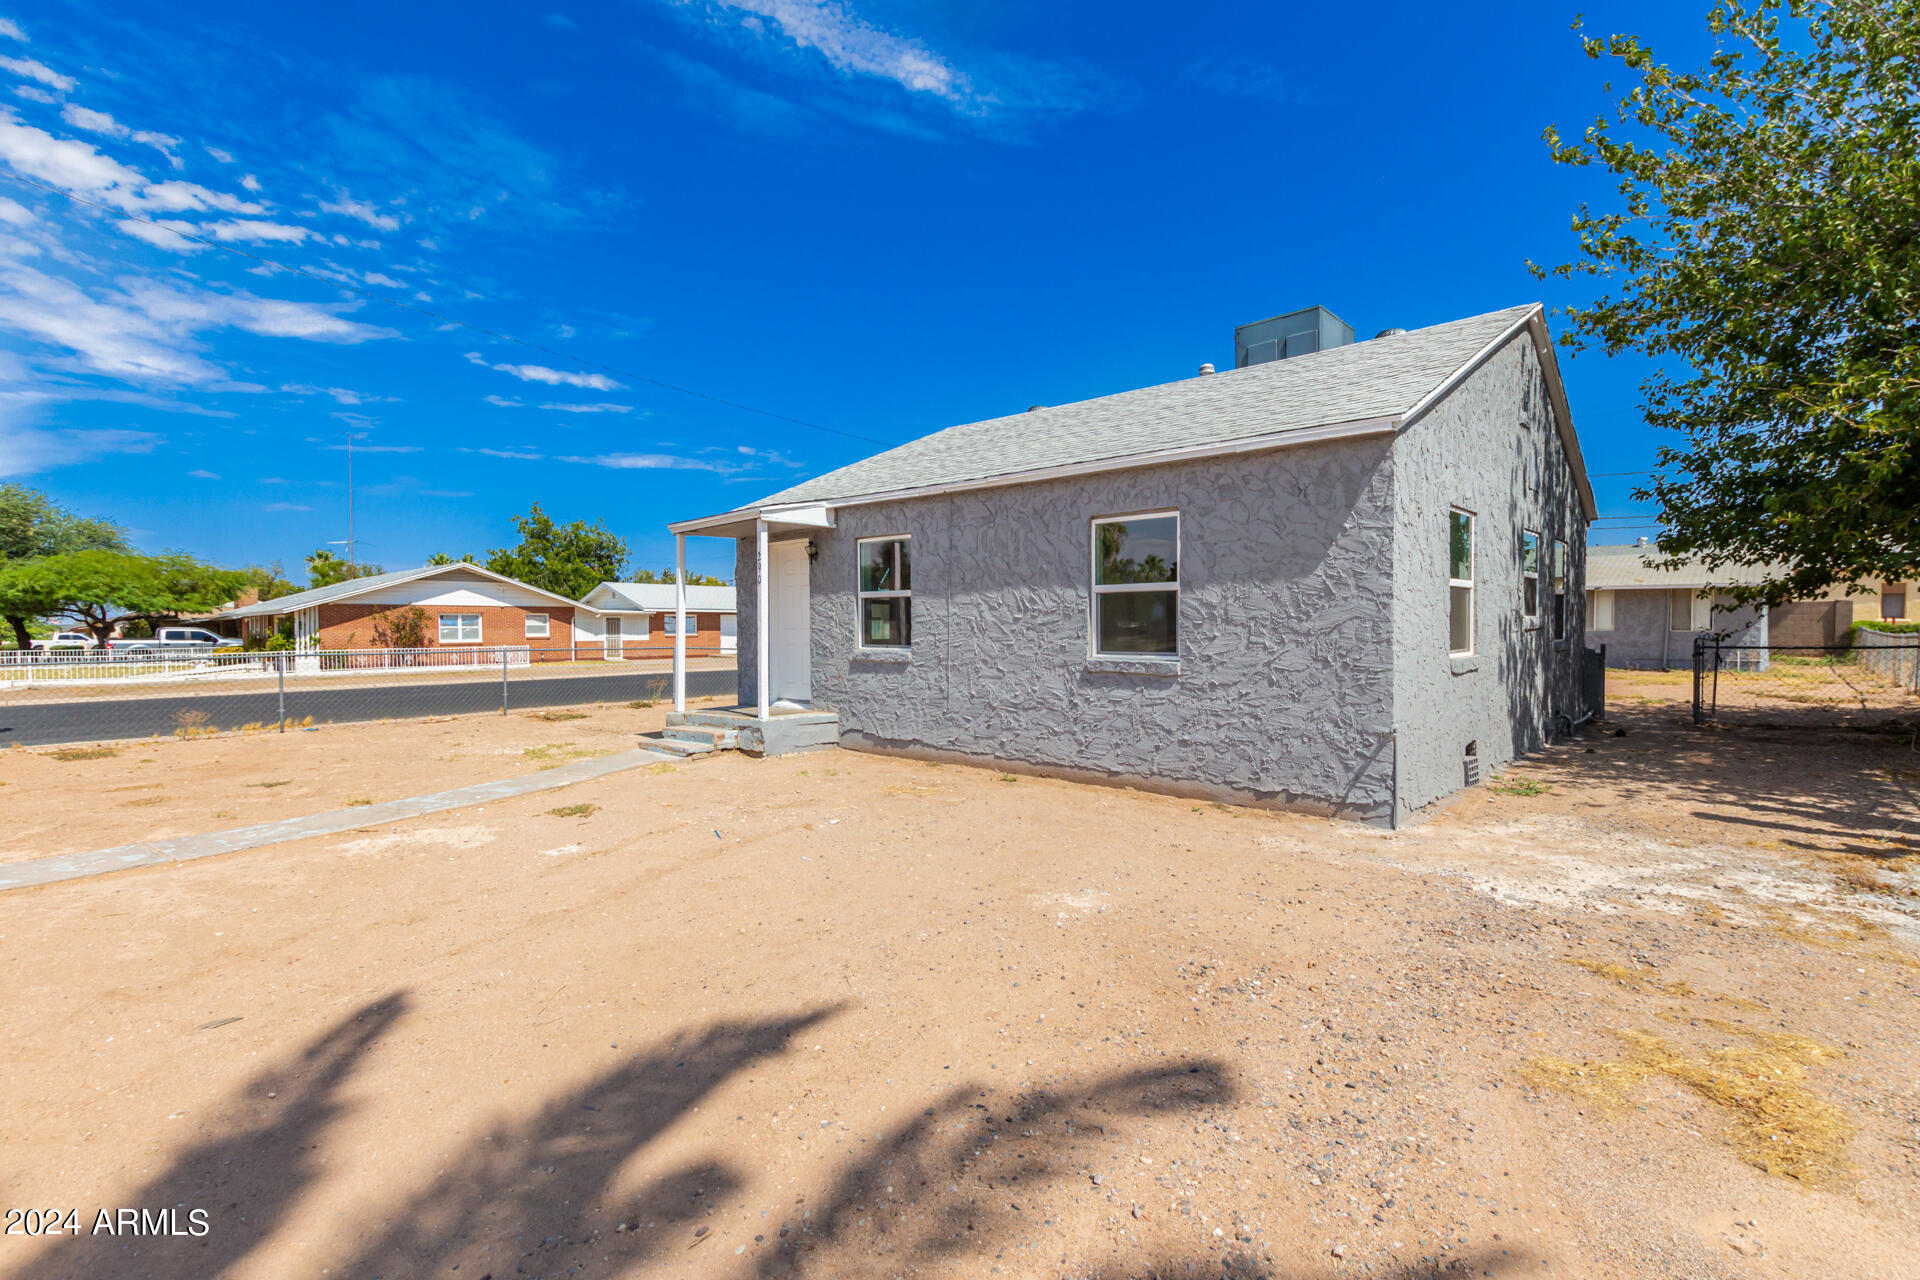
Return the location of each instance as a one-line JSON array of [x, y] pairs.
[[635, 620], [466, 606]]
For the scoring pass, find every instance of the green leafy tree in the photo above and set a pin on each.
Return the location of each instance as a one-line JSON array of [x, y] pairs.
[[1766, 250], [441, 557], [693, 579], [324, 568], [269, 582], [568, 560], [97, 589], [33, 526]]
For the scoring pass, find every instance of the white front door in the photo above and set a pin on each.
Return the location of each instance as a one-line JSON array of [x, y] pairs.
[[729, 633], [613, 638], [789, 623]]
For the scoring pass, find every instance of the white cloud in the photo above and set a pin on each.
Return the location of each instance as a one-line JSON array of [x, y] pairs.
[[32, 94], [100, 122], [506, 402], [13, 213], [517, 455], [220, 154], [250, 182], [147, 332], [254, 232], [28, 69], [160, 234], [654, 462], [366, 212], [174, 196], [25, 450], [589, 408], [341, 395], [11, 29], [285, 506], [856, 47], [552, 377], [200, 474], [63, 162]]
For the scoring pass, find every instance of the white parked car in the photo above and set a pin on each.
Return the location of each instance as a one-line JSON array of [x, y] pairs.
[[66, 640], [188, 639]]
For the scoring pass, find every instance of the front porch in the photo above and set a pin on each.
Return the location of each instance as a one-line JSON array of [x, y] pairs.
[[782, 730]]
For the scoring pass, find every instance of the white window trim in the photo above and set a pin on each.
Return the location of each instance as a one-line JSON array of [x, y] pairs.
[[1562, 571], [1532, 617], [440, 623], [546, 626], [861, 596], [1594, 611], [1473, 593], [1115, 588], [668, 621], [1699, 605]]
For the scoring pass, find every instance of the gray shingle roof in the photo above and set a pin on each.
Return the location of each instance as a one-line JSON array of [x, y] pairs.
[[1616, 568], [321, 595], [1380, 378]]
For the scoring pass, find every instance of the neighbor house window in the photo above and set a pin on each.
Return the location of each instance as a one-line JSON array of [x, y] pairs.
[[1689, 611], [1460, 581], [1893, 606], [672, 620], [885, 592], [537, 626], [459, 628], [1530, 575], [1600, 610], [1136, 585], [1561, 621]]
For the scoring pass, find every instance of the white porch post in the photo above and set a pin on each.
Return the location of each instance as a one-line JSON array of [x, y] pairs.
[[680, 622], [760, 629]]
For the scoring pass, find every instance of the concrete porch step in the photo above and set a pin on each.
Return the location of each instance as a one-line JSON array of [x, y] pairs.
[[720, 738], [676, 746]]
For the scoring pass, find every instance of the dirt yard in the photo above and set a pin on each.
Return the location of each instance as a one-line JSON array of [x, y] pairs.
[[93, 796], [1642, 1007]]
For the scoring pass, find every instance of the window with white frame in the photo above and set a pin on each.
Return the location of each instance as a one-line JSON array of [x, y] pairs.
[[538, 626], [1136, 585], [459, 628], [670, 621], [1689, 611], [1459, 582], [885, 592], [1600, 610], [1530, 577], [1562, 612]]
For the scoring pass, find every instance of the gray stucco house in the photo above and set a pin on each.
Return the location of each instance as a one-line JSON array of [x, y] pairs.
[[1648, 618], [1345, 577]]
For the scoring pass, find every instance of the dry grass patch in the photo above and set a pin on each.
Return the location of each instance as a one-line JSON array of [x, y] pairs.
[[574, 811], [552, 717], [554, 754], [84, 753], [1774, 1121], [1633, 979]]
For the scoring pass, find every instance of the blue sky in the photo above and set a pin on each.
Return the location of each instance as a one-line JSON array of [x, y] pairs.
[[879, 216]]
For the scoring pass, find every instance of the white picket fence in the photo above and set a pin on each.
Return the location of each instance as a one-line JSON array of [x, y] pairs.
[[20, 669]]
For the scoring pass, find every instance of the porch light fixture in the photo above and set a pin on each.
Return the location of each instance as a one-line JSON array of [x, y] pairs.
[[813, 549]]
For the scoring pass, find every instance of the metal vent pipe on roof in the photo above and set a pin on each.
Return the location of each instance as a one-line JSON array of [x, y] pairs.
[[1206, 368]]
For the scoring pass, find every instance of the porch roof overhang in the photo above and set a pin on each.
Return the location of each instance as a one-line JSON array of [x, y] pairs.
[[741, 523]]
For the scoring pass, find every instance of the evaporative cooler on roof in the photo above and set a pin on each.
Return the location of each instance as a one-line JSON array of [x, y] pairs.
[[1296, 333]]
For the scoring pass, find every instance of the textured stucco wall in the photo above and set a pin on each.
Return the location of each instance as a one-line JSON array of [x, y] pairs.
[[1283, 686], [1490, 447], [1641, 638]]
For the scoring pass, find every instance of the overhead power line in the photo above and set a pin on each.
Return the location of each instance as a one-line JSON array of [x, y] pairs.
[[442, 318]]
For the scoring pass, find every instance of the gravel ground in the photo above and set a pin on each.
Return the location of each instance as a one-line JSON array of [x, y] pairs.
[[845, 1015]]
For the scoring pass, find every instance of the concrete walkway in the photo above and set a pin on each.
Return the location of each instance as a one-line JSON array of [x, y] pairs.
[[74, 866]]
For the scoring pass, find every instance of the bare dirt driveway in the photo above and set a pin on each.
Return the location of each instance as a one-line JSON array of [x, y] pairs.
[[1646, 1007]]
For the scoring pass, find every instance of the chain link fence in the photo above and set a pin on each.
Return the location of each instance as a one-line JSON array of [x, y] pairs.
[[46, 699], [1873, 683]]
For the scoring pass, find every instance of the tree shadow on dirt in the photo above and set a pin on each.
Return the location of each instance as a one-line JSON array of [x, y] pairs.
[[246, 1178], [1818, 790], [534, 1196]]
